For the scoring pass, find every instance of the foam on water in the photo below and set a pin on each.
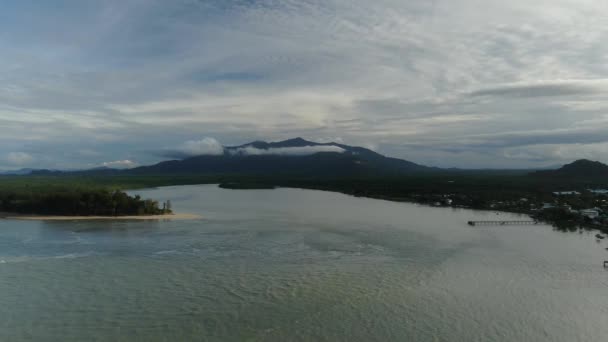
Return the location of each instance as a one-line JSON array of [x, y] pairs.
[[33, 258]]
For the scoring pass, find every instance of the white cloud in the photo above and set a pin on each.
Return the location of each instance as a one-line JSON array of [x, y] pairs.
[[561, 153], [120, 164], [322, 140], [389, 73], [286, 151], [19, 158], [547, 88], [191, 148], [88, 152]]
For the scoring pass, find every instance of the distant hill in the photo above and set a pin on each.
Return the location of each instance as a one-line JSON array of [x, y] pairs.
[[290, 157], [17, 172], [25, 172], [97, 171], [580, 169]]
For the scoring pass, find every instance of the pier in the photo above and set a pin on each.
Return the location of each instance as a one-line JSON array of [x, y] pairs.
[[503, 223]]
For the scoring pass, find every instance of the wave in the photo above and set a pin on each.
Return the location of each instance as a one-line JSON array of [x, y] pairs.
[[171, 251], [31, 258]]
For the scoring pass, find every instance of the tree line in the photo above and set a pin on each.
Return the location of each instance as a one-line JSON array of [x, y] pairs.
[[78, 202]]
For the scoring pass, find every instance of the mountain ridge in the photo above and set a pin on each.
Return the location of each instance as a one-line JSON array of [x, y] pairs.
[[300, 157], [286, 157]]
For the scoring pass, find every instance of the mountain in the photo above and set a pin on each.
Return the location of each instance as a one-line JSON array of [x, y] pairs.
[[19, 172], [580, 169], [289, 157], [96, 171]]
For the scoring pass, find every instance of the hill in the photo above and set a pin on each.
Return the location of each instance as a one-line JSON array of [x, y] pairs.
[[19, 172], [290, 157], [580, 169]]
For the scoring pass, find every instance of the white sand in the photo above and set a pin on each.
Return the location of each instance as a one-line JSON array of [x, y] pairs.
[[9, 216]]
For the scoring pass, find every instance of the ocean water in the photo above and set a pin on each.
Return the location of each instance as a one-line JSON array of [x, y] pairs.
[[299, 265]]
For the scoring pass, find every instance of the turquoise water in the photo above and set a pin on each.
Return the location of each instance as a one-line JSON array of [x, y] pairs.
[[299, 265]]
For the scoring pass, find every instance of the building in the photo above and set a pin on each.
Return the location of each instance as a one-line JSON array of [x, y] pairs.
[[598, 191], [590, 213], [548, 206]]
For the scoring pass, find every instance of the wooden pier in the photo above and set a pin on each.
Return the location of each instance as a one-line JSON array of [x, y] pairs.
[[503, 223]]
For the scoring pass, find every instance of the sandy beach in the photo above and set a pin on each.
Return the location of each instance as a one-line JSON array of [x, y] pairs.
[[177, 216]]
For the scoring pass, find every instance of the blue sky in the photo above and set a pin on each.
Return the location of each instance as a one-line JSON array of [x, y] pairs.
[[465, 83]]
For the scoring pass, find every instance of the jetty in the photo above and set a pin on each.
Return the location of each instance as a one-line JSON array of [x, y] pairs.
[[503, 223]]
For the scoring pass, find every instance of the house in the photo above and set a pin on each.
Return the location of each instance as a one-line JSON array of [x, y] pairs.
[[548, 206], [590, 213]]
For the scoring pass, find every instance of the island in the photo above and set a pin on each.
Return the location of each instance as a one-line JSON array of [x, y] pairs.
[[78, 202], [12, 216]]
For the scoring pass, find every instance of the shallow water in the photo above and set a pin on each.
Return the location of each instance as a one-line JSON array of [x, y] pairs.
[[299, 265]]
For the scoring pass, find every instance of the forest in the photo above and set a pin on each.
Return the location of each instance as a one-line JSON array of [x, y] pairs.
[[48, 198], [72, 194]]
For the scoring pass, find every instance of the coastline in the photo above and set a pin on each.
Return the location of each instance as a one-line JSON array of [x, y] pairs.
[[23, 217], [557, 224]]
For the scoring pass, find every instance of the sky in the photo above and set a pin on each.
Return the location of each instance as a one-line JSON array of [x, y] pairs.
[[448, 83]]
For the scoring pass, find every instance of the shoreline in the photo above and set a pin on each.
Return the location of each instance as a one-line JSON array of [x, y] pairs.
[[559, 225], [25, 217]]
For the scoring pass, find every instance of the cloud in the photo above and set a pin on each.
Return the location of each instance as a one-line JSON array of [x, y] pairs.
[[559, 153], [324, 140], [285, 151], [88, 153], [210, 146], [191, 148], [547, 88], [579, 135], [120, 164], [127, 76], [19, 158]]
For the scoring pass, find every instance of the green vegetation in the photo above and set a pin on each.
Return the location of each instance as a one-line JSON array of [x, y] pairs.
[[71, 197], [487, 190]]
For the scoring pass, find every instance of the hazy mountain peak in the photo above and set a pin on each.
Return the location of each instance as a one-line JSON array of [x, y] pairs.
[[584, 163], [585, 166], [582, 168]]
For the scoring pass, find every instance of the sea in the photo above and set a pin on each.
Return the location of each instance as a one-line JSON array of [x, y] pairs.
[[300, 265]]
